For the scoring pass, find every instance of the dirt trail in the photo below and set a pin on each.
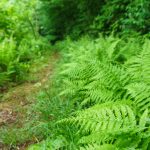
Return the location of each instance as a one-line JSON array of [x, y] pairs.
[[16, 101]]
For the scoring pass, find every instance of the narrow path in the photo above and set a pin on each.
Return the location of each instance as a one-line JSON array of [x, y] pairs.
[[15, 103]]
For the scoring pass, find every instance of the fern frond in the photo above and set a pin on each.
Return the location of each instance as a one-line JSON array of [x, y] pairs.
[[107, 85], [99, 147], [140, 94], [99, 96], [143, 119], [127, 138], [139, 66], [106, 48], [108, 118]]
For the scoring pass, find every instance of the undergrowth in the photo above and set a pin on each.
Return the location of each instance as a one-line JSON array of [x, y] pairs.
[[60, 18], [20, 42], [106, 84]]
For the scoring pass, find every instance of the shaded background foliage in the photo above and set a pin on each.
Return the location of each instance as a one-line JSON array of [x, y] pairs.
[[69, 17]]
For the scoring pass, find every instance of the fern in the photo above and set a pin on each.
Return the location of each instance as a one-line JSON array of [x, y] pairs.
[[112, 88], [98, 147], [139, 66], [140, 95], [110, 123], [108, 118], [118, 103]]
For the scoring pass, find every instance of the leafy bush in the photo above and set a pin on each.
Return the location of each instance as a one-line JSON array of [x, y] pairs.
[[126, 17], [20, 42], [109, 82]]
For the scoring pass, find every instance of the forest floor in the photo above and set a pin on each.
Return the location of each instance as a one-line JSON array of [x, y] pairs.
[[16, 102]]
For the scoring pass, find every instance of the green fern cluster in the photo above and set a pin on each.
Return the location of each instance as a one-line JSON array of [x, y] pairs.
[[108, 79], [113, 88]]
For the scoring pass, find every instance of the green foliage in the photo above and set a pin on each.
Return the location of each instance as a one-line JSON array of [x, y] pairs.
[[19, 42], [68, 17], [109, 81], [123, 16]]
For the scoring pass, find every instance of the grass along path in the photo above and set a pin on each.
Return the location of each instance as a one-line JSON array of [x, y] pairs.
[[15, 103]]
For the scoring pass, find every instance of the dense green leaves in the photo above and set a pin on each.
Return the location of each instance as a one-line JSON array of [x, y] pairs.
[[114, 95], [109, 83], [19, 39], [74, 18]]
